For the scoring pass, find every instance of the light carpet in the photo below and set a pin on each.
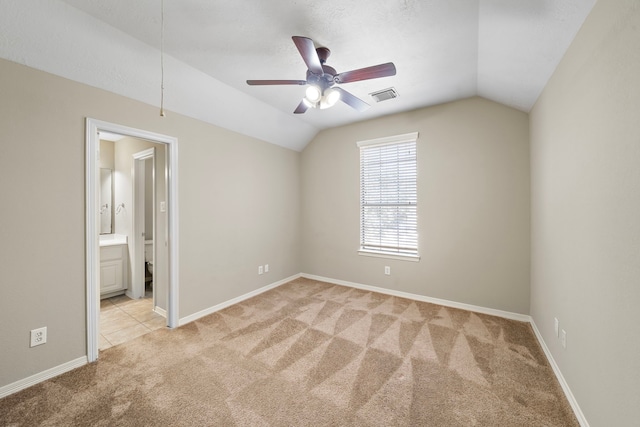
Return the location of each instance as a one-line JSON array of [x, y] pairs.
[[310, 353]]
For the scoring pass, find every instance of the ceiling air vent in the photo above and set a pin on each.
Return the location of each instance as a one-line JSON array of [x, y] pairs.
[[384, 94]]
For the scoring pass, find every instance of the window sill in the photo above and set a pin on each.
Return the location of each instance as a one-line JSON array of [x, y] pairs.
[[412, 258]]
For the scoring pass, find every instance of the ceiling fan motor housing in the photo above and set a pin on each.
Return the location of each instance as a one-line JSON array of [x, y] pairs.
[[323, 81], [323, 54]]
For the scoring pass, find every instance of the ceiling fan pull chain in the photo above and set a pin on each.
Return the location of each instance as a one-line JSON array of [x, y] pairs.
[[162, 58]]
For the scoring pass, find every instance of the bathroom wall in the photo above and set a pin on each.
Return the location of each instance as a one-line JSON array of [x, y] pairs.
[[107, 159], [107, 210]]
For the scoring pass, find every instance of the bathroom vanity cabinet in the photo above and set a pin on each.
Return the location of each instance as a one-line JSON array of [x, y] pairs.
[[113, 270]]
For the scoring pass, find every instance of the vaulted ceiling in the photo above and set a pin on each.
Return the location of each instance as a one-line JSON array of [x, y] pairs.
[[443, 50]]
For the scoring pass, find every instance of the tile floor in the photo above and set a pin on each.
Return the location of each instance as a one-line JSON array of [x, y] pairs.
[[123, 319]]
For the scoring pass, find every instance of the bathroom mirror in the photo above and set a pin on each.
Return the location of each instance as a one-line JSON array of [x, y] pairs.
[[106, 201]]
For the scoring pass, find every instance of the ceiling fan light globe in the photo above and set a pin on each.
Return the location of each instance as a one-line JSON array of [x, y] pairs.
[[313, 94], [331, 96]]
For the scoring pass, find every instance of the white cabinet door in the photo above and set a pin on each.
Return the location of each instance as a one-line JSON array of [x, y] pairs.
[[111, 276], [113, 269]]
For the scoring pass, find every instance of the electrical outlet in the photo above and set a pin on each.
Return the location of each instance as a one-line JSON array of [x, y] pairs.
[[563, 338], [266, 268], [260, 269], [387, 270], [556, 325], [38, 336]]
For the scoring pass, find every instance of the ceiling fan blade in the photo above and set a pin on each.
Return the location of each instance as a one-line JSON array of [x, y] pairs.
[[308, 51], [377, 71], [276, 82], [302, 108], [351, 100]]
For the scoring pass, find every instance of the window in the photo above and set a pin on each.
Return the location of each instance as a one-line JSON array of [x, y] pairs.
[[388, 197]]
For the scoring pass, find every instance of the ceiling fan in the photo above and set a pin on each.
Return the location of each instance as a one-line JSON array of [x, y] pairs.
[[321, 78]]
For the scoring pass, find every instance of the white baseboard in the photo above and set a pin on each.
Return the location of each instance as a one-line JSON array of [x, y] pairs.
[[42, 376], [563, 383], [506, 314], [453, 304], [76, 363], [218, 307], [161, 311]]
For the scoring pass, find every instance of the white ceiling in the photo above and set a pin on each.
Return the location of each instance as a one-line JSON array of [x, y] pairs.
[[444, 50]]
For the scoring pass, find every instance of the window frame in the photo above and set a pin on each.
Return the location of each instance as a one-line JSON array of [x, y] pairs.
[[392, 254]]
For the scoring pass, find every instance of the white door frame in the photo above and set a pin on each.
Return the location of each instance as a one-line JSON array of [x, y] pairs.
[[139, 238], [94, 126]]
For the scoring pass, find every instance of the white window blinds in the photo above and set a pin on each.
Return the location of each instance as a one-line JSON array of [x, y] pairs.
[[388, 196]]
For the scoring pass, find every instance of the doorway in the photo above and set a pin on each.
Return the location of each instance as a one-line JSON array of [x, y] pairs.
[[169, 295], [144, 236]]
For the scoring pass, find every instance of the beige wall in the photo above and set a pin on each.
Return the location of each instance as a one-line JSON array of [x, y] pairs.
[[567, 248], [585, 164], [473, 205], [239, 208]]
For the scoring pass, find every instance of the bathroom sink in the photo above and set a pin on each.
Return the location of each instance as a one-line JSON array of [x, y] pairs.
[[113, 239]]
